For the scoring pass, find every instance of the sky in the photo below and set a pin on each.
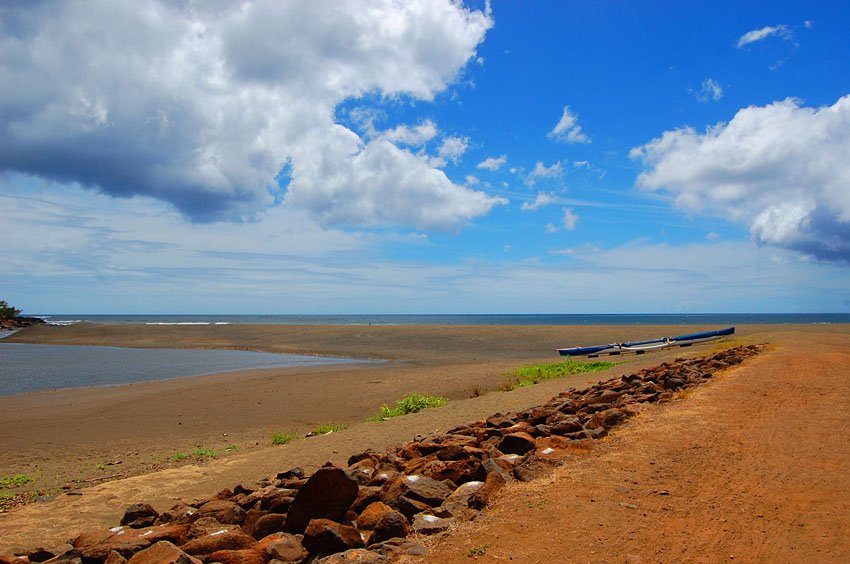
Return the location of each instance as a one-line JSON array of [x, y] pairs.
[[424, 156]]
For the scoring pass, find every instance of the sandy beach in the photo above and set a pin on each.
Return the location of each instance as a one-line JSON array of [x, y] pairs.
[[80, 437]]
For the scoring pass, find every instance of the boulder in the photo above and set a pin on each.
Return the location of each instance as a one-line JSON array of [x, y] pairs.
[[323, 536], [457, 503], [283, 547], [516, 443], [115, 558], [484, 495], [326, 495], [426, 524], [268, 524], [97, 545], [139, 515], [221, 540], [355, 556], [206, 526], [223, 511], [383, 523], [42, 554], [242, 556], [163, 552], [418, 488], [533, 467]]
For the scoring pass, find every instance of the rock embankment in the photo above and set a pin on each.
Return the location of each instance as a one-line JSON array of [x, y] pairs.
[[368, 511], [14, 323]]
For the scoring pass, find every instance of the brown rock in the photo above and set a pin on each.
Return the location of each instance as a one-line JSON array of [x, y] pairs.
[[458, 502], [533, 467], [426, 524], [268, 524], [180, 513], [408, 507], [251, 517], [163, 552], [396, 548], [97, 545], [207, 526], [283, 547], [242, 556], [223, 511], [115, 558], [458, 471], [326, 495], [139, 515], [323, 536], [568, 424], [608, 418], [419, 488], [483, 496], [225, 540], [42, 554], [516, 443], [383, 522]]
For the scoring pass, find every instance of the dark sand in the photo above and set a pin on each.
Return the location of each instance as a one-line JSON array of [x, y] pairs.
[[73, 436]]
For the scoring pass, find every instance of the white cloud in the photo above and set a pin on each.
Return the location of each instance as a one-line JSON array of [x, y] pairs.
[[202, 105], [493, 163], [569, 220], [782, 169], [567, 129], [542, 171], [709, 91], [542, 199], [782, 31], [407, 135], [712, 236], [551, 228], [471, 180], [453, 148]]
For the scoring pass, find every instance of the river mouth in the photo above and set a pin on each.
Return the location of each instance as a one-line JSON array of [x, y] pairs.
[[35, 367]]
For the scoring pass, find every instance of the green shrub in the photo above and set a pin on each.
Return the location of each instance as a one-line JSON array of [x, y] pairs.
[[283, 438], [205, 453], [410, 403], [528, 375], [329, 428], [15, 481]]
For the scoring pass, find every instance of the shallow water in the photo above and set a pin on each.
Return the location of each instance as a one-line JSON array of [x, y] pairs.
[[29, 368]]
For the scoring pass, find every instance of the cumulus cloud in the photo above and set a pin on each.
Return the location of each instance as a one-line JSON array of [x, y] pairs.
[[569, 220], [710, 91], [493, 163], [542, 171], [755, 35], [453, 148], [567, 129], [202, 105], [542, 199], [782, 169]]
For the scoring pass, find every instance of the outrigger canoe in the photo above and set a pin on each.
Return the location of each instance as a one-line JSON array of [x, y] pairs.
[[639, 347]]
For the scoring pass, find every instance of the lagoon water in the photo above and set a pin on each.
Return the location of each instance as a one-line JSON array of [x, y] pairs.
[[29, 368]]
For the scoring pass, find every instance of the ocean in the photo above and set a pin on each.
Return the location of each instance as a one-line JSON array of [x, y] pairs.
[[724, 319]]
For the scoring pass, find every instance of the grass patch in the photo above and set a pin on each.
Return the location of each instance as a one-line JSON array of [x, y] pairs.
[[476, 551], [179, 456], [205, 453], [231, 448], [329, 428], [410, 403], [15, 481], [283, 438], [529, 375]]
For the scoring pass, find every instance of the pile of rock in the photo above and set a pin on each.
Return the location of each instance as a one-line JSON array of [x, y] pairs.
[[366, 511]]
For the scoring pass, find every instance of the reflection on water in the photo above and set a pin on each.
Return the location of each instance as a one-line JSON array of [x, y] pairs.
[[28, 368]]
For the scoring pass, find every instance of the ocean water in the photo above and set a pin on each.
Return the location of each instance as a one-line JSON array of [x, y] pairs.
[[724, 319], [30, 368]]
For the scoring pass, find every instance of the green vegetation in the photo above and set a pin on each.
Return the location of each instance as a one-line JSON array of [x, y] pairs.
[[410, 403], [205, 453], [528, 375], [178, 456], [7, 311], [231, 448], [283, 438], [476, 551], [15, 481], [329, 428]]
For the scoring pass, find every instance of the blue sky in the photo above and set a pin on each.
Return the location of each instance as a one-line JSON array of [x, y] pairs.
[[433, 157]]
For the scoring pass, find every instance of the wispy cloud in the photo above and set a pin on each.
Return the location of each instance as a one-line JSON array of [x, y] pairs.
[[493, 163], [709, 91], [782, 31], [567, 130], [542, 171]]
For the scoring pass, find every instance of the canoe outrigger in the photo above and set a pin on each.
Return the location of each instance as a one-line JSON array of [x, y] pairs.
[[640, 347]]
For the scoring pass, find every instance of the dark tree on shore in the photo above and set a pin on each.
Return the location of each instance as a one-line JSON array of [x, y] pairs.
[[7, 311]]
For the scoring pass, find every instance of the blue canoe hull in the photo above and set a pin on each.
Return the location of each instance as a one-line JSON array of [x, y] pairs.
[[616, 348]]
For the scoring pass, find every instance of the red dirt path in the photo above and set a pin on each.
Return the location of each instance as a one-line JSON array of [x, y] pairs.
[[752, 467]]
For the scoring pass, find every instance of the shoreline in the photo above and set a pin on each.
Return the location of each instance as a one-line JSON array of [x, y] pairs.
[[71, 436]]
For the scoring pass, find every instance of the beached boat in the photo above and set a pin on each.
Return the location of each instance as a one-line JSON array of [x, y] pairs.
[[640, 347]]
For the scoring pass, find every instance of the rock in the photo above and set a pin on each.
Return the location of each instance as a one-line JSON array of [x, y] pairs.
[[323, 536], [608, 418], [251, 517], [457, 503], [419, 488], [484, 495], [366, 495], [163, 552], [326, 495], [222, 540], [458, 471], [500, 420], [534, 467], [11, 559], [355, 556], [569, 424], [499, 467], [363, 470], [292, 474], [180, 513], [42, 554], [383, 522], [223, 511], [268, 524], [516, 443], [139, 515], [115, 558], [206, 526], [97, 545], [283, 547], [426, 524], [408, 507], [396, 548], [242, 556]]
